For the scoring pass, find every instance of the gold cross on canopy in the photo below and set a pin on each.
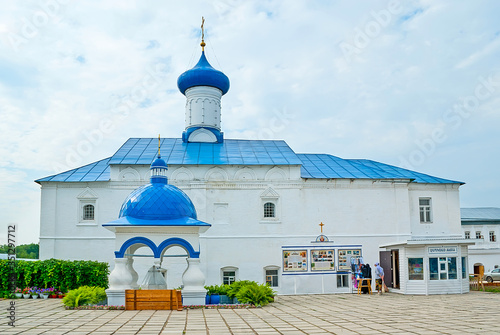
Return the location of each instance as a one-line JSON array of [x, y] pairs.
[[321, 225], [159, 142]]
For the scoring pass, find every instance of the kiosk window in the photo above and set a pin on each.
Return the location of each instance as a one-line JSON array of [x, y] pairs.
[[415, 268], [443, 268]]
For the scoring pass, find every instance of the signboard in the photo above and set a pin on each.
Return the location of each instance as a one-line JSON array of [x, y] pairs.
[[294, 260], [345, 256], [443, 250], [322, 260]]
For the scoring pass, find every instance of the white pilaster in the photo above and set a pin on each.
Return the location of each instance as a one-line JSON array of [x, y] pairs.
[[193, 279], [120, 279]]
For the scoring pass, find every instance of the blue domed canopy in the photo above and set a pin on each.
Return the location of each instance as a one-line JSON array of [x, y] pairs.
[[158, 163], [203, 74], [158, 201]]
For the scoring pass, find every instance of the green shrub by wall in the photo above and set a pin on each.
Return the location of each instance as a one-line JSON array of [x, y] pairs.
[[64, 275]]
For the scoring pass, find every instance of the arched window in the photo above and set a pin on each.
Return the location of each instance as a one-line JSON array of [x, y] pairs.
[[269, 210], [88, 212]]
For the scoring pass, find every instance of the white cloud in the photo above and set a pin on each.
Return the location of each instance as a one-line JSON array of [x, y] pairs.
[[278, 56]]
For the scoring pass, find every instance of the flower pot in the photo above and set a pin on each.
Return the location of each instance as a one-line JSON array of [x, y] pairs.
[[235, 300], [60, 296], [214, 299], [52, 296], [34, 296], [26, 296], [44, 296], [224, 299], [207, 300], [18, 295]]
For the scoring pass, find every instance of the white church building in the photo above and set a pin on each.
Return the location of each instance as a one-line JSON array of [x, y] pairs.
[[262, 211]]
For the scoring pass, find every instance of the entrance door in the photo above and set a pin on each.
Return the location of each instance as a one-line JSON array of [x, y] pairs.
[[395, 268], [386, 264], [389, 261]]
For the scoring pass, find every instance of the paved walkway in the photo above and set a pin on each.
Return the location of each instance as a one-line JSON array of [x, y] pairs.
[[473, 313]]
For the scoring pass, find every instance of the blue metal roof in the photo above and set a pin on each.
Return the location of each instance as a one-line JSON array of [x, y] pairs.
[[230, 152], [480, 214], [97, 171], [142, 151], [203, 74], [330, 167]]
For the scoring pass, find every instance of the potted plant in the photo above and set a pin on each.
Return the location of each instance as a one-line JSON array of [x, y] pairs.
[[34, 292], [213, 292], [224, 299], [18, 292], [50, 292], [60, 295], [26, 293], [44, 293]]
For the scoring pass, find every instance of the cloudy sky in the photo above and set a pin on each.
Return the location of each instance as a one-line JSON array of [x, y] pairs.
[[413, 84]]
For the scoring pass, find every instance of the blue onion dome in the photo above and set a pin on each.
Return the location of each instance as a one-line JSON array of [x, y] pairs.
[[158, 201], [203, 74]]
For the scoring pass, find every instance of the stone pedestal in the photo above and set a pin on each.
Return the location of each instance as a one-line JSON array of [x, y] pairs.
[[120, 279], [193, 279]]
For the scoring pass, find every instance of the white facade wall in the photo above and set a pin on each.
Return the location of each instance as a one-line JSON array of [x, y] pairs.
[[231, 198], [484, 252]]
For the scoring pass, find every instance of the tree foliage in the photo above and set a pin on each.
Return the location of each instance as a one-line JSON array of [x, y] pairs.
[[28, 251]]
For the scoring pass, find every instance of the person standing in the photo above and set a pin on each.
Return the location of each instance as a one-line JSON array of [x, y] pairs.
[[379, 278]]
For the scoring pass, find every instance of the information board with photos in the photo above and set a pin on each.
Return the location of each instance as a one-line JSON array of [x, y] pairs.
[[294, 260], [345, 256], [322, 260]]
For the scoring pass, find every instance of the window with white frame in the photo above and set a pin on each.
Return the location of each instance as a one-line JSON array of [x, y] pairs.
[[342, 280], [269, 210], [88, 212], [493, 238], [467, 234], [443, 268], [425, 210], [228, 275], [478, 234], [271, 273]]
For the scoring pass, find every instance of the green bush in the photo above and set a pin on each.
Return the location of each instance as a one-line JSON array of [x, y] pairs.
[[255, 294], [235, 287], [63, 275], [84, 295]]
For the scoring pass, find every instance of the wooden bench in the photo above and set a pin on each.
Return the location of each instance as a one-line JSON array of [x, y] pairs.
[[153, 299]]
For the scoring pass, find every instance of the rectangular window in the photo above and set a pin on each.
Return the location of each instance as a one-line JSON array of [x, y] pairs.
[[478, 234], [493, 238], [228, 277], [452, 268], [272, 278], [467, 234], [415, 268], [464, 267], [342, 280], [425, 210], [433, 269], [443, 268]]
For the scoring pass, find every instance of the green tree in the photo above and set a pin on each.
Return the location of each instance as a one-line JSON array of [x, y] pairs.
[[31, 251]]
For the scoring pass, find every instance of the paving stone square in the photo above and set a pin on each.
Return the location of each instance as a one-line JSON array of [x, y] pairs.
[[472, 313]]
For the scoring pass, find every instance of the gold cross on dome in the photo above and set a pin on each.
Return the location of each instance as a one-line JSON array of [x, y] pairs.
[[321, 225], [202, 34]]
